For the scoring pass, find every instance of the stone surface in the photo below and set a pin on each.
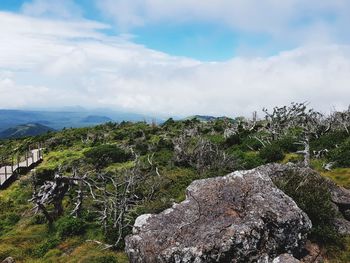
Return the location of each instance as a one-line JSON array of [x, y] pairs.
[[285, 258], [8, 260], [342, 226], [241, 217]]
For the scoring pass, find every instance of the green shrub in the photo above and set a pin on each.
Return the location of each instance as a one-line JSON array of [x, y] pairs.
[[44, 174], [8, 220], [141, 147], [69, 226], [101, 259], [250, 143], [247, 160], [163, 157], [41, 249], [233, 140], [12, 218], [271, 153], [341, 155], [311, 194], [38, 219], [103, 155], [219, 125], [165, 144], [288, 144], [329, 140], [216, 138]]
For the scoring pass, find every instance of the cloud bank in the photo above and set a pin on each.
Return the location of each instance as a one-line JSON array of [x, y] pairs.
[[293, 21], [45, 62]]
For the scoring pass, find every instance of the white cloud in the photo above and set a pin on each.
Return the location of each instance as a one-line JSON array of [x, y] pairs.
[[55, 63], [61, 8], [291, 21]]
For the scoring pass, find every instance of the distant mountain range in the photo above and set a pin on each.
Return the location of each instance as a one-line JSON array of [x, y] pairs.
[[96, 119], [65, 119], [30, 129], [204, 118]]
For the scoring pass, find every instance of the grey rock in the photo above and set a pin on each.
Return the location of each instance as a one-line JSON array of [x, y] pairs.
[[285, 258], [342, 226], [347, 214], [8, 260], [241, 217]]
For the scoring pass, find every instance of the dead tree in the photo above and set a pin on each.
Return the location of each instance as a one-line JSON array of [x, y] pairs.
[[203, 155], [53, 193], [114, 196], [309, 123], [341, 120]]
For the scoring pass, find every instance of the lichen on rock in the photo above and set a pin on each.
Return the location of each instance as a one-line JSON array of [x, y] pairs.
[[241, 217]]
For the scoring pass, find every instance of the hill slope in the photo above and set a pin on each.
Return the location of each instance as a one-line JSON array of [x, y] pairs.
[[30, 129], [96, 119]]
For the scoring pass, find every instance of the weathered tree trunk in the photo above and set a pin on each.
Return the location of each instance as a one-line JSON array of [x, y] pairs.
[[307, 151]]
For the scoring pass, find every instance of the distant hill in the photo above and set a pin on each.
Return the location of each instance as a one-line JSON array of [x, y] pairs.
[[204, 118], [24, 130], [96, 119], [65, 119]]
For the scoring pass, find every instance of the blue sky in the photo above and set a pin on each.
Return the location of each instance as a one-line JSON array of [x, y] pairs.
[[203, 39], [175, 57], [207, 41]]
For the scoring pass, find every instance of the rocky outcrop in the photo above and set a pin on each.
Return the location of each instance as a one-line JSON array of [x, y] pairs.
[[241, 217], [285, 258]]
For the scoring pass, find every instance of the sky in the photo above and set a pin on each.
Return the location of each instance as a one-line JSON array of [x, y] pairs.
[[175, 57]]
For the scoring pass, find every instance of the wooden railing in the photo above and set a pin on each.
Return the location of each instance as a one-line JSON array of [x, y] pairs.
[[9, 171]]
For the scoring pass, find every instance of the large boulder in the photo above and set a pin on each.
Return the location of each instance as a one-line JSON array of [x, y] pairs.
[[241, 217]]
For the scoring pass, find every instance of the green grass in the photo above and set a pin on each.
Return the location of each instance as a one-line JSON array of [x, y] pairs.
[[336, 255], [117, 167], [291, 157], [339, 175]]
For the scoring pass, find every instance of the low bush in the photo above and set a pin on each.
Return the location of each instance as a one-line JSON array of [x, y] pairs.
[[102, 155], [69, 226], [44, 174], [102, 259], [271, 153], [287, 144], [232, 140], [41, 249], [247, 160], [329, 140], [341, 155], [312, 196]]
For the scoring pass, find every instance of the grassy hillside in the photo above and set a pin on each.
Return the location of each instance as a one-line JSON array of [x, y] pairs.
[[167, 158], [24, 130]]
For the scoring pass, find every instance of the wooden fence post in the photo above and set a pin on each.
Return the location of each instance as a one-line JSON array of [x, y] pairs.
[[26, 159]]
